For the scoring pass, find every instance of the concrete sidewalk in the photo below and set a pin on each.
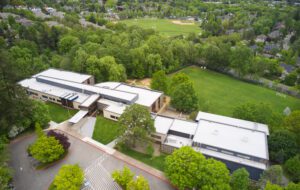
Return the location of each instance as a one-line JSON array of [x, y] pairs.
[[120, 156]]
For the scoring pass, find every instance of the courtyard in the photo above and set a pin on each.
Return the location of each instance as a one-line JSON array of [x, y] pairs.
[[97, 165]]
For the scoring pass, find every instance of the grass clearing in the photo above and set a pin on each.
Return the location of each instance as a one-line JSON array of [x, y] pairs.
[[164, 26], [58, 113], [220, 94], [106, 130], [156, 161]]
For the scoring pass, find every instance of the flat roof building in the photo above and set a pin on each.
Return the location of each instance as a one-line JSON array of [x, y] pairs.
[[238, 143], [78, 91], [66, 75]]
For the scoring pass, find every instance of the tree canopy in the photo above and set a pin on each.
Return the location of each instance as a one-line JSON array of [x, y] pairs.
[[292, 167], [69, 177], [258, 112], [187, 168], [239, 179], [292, 122], [160, 82], [125, 178], [46, 149], [136, 123], [282, 146]]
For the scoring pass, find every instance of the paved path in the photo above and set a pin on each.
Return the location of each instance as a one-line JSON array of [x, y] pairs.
[[88, 156], [113, 143], [87, 129], [99, 178]]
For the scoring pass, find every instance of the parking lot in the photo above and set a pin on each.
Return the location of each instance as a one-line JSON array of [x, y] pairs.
[[97, 165]]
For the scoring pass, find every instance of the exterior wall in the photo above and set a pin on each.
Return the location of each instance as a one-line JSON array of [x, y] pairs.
[[181, 134], [90, 81], [229, 152], [54, 99], [232, 166], [155, 107], [167, 149], [110, 115], [159, 138], [76, 105], [42, 96]]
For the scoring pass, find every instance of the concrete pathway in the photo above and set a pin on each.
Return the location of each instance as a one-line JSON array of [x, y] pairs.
[[125, 158], [87, 128], [113, 143], [98, 166], [52, 124]]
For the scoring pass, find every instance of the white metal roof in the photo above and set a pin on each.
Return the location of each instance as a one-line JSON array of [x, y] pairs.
[[32, 84], [162, 124], [78, 116], [64, 75], [110, 85], [112, 106], [232, 138], [233, 121], [231, 158], [146, 97], [182, 126], [120, 95], [90, 100]]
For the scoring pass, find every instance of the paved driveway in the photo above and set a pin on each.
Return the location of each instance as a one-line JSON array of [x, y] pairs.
[[27, 178]]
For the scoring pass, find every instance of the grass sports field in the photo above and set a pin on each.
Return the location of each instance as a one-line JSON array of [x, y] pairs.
[[165, 26], [222, 93]]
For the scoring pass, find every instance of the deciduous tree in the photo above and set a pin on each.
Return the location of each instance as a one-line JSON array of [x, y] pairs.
[[123, 177], [63, 139], [273, 174], [160, 82], [46, 149], [241, 59], [271, 186], [136, 123], [184, 97], [139, 184], [239, 179], [292, 167], [187, 168], [261, 113], [69, 177], [292, 122], [66, 43], [282, 146]]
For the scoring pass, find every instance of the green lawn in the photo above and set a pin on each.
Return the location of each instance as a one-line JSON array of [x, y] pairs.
[[164, 26], [223, 93], [156, 162], [59, 113], [105, 130]]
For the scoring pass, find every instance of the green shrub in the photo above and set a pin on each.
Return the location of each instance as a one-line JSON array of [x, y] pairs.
[[69, 177]]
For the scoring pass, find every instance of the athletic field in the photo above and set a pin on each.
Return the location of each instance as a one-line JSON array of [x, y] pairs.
[[165, 26], [220, 94]]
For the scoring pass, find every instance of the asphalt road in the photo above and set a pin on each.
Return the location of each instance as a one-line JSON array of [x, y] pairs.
[[27, 178]]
